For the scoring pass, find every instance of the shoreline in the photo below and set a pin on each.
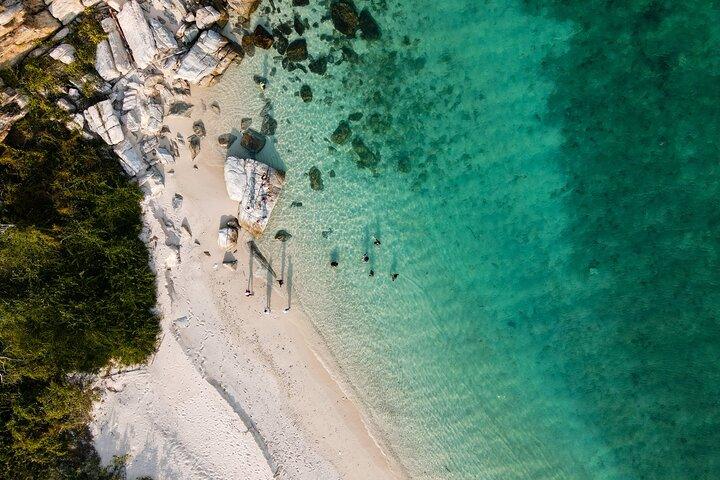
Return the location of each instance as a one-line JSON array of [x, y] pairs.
[[299, 392]]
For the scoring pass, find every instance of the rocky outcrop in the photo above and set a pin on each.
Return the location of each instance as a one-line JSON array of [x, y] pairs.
[[22, 26], [257, 187], [102, 119], [208, 58], [137, 33], [206, 17], [66, 10]]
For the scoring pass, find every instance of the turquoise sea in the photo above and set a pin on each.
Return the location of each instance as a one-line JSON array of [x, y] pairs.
[[544, 178]]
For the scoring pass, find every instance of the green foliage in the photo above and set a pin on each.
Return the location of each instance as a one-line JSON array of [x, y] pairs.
[[76, 292], [44, 75]]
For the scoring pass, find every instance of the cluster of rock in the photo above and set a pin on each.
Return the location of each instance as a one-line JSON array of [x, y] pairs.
[[256, 187], [149, 60], [24, 23]]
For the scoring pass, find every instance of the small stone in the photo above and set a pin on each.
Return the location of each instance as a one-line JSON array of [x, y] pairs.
[[316, 182], [341, 133], [180, 108], [306, 93], [215, 108], [331, 173], [252, 141], [194, 146], [298, 25], [226, 139], [199, 128]]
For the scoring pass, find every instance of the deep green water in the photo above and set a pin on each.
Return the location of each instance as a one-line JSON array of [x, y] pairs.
[[547, 189]]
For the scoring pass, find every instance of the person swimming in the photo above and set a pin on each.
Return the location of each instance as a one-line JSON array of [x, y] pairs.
[[372, 273], [376, 241], [394, 276], [366, 258], [334, 263]]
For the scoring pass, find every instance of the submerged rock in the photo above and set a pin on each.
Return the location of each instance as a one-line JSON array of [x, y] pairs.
[[257, 187], [269, 126], [316, 182], [297, 50], [344, 17], [262, 38], [341, 133], [369, 29], [281, 43], [283, 235], [355, 116], [319, 65], [306, 93], [252, 141], [366, 157]]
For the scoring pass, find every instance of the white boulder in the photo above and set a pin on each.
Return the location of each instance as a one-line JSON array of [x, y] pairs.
[[164, 39], [66, 10], [227, 237], [104, 63], [64, 53], [120, 55], [203, 58], [102, 119], [206, 16], [257, 187], [131, 159], [137, 33]]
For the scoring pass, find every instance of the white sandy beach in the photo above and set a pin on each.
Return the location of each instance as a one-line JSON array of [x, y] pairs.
[[232, 393]]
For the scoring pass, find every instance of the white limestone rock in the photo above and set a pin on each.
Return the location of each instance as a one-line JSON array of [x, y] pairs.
[[163, 156], [204, 57], [143, 112], [137, 33], [120, 54], [131, 158], [64, 53], [206, 16], [66, 105], [152, 183], [257, 187], [66, 10], [103, 120], [227, 237], [9, 13], [115, 4], [164, 39], [104, 63]]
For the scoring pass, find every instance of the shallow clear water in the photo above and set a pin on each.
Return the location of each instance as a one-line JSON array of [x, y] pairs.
[[547, 190]]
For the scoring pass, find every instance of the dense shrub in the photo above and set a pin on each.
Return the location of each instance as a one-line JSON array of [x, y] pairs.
[[76, 289]]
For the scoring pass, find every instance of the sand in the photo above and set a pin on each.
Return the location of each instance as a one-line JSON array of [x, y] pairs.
[[232, 393]]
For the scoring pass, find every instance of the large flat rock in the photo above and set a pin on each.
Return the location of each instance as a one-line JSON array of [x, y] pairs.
[[257, 187]]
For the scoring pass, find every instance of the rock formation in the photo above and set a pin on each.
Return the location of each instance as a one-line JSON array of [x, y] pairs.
[[257, 187]]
